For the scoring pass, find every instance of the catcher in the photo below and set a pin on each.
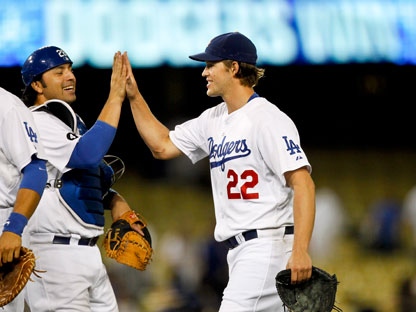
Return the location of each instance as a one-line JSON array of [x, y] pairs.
[[69, 219]]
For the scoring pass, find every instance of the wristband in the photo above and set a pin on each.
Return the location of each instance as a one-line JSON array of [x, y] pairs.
[[15, 224]]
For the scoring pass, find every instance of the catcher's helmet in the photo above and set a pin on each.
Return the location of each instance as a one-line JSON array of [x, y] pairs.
[[42, 60]]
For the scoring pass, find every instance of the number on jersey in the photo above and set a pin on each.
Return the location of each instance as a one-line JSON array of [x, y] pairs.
[[250, 179]]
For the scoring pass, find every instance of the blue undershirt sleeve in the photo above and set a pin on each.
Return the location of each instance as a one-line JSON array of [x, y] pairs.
[[92, 146], [35, 175]]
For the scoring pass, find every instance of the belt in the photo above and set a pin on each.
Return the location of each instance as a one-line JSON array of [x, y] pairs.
[[83, 241], [251, 234]]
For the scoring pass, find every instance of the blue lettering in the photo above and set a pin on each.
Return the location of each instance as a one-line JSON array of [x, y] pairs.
[[226, 151], [31, 134], [291, 146]]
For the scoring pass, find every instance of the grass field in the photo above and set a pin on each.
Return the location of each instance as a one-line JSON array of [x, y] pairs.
[[368, 279]]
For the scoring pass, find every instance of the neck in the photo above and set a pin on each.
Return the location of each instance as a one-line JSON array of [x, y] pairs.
[[236, 100]]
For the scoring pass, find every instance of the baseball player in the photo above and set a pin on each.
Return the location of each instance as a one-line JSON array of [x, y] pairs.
[[263, 192], [22, 179], [64, 230]]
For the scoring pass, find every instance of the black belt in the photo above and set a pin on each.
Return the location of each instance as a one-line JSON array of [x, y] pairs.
[[248, 235], [65, 240]]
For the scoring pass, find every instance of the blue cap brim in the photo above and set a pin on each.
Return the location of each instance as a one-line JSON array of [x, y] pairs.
[[205, 57]]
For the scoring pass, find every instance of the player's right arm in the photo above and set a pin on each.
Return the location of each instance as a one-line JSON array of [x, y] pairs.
[[94, 144], [153, 132], [304, 211], [112, 108]]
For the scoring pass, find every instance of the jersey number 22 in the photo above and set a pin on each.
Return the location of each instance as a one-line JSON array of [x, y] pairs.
[[250, 180]]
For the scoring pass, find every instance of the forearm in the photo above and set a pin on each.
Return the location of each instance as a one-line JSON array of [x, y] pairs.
[[153, 132], [26, 202], [304, 218], [118, 206], [303, 208], [31, 188], [111, 111], [24, 207]]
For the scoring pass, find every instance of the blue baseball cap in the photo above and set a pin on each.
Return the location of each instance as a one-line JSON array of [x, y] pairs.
[[41, 61], [230, 46]]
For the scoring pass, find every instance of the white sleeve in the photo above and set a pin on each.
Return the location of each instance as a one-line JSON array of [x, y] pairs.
[[20, 137], [189, 138], [58, 139], [280, 146]]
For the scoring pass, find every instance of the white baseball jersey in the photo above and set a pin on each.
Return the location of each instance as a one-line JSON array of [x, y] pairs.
[[59, 140], [19, 140], [249, 151]]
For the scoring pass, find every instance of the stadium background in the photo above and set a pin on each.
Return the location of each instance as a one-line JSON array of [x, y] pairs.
[[356, 125]]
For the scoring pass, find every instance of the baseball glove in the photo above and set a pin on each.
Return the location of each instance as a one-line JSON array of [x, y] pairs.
[[316, 294], [14, 275], [125, 245]]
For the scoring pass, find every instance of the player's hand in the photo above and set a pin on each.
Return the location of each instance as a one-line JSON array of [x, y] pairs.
[[10, 244], [131, 85], [118, 78], [300, 264]]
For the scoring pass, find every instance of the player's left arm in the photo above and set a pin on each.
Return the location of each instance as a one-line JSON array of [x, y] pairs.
[[303, 186], [119, 206]]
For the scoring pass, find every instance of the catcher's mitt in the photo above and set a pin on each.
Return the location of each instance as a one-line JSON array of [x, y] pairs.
[[315, 295], [125, 245], [14, 275]]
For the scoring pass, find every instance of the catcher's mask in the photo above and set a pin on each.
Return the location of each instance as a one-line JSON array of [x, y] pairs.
[[41, 61]]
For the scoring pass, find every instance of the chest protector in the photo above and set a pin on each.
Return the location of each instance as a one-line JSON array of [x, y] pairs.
[[81, 190]]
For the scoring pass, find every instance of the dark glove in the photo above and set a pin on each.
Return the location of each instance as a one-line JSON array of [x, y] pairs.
[[316, 294]]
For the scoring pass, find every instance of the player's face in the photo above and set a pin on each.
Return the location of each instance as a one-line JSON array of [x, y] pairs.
[[59, 83], [219, 78]]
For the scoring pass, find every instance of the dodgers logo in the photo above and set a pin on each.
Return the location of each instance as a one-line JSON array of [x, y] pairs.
[[292, 147], [62, 54], [31, 134], [219, 154]]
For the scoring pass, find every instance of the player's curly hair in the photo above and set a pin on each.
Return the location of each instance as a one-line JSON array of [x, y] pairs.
[[248, 74], [29, 94]]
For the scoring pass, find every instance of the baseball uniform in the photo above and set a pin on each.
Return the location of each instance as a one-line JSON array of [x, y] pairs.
[[249, 151], [64, 230], [19, 141]]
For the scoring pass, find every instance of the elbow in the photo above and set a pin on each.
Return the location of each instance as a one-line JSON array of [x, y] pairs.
[[164, 149], [165, 153], [159, 155]]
